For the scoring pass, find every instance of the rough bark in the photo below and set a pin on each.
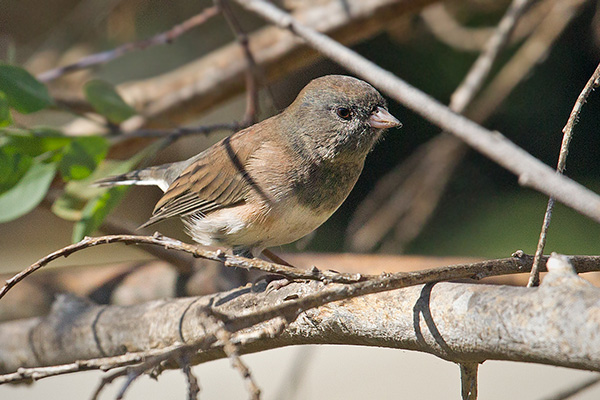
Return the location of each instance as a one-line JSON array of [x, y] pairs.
[[556, 323]]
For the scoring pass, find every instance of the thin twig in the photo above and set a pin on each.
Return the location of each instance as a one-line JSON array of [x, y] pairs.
[[592, 83], [106, 56], [196, 251], [518, 263], [448, 30], [116, 226], [150, 360], [104, 364], [251, 113], [182, 353], [480, 70], [294, 378], [530, 54], [232, 353], [177, 133], [531, 171], [193, 386]]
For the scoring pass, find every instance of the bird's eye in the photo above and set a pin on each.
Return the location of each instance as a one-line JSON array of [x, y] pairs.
[[344, 113]]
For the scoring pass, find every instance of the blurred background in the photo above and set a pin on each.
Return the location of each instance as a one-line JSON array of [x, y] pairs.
[[419, 194]]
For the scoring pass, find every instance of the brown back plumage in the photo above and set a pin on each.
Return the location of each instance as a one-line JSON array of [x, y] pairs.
[[216, 179]]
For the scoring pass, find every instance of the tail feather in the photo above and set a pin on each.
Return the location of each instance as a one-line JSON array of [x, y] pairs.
[[142, 177]]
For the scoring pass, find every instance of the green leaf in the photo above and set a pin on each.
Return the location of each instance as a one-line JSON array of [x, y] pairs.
[[96, 210], [23, 92], [77, 194], [12, 168], [5, 118], [33, 142], [27, 193], [68, 207], [101, 201], [81, 157], [88, 204], [107, 102]]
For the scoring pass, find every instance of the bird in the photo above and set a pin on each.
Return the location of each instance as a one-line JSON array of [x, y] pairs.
[[278, 180]]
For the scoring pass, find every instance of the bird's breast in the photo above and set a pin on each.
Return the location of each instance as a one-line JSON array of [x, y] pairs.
[[326, 185]]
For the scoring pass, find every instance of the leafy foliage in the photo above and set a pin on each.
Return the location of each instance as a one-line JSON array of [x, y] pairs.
[[81, 156], [23, 92], [5, 118], [26, 194], [31, 157], [87, 204], [12, 168], [107, 102]]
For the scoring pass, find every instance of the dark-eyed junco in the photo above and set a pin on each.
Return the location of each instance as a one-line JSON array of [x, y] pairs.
[[278, 180]]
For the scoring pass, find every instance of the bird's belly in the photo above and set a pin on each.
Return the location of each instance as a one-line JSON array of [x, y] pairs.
[[243, 226], [292, 223]]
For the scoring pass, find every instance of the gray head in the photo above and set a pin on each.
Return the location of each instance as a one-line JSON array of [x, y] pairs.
[[338, 116]]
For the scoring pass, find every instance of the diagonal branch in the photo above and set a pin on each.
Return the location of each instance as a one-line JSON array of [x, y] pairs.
[[480, 70], [426, 173], [185, 92]]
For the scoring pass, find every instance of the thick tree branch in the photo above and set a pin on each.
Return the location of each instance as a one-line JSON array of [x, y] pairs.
[[460, 322], [134, 282]]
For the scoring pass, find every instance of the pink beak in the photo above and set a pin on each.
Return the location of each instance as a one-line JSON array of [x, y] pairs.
[[382, 119]]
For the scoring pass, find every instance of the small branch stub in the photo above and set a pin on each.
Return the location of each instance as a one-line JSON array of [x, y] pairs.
[[468, 379]]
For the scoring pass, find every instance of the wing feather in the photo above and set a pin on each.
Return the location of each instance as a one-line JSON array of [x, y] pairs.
[[216, 179]]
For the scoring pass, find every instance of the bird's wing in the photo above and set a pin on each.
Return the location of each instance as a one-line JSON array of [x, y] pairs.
[[217, 179]]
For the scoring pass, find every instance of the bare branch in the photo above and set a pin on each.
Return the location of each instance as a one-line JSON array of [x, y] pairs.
[[295, 377], [530, 171], [106, 56], [459, 322], [593, 82], [193, 386], [435, 161], [182, 262], [466, 38], [232, 353], [531, 53], [480, 70], [402, 279], [250, 116], [180, 132], [196, 251], [426, 173]]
